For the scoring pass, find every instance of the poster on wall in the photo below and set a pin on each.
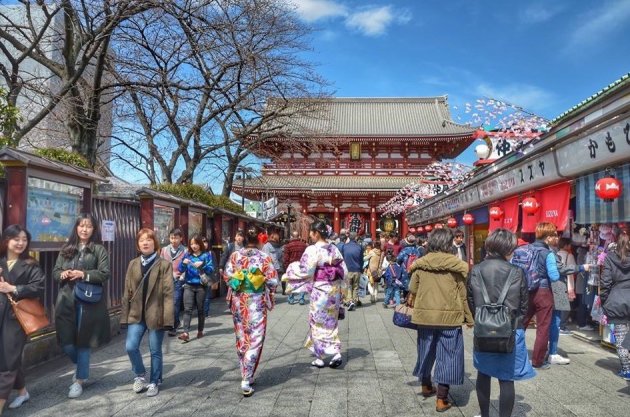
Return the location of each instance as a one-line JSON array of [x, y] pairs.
[[51, 210], [195, 222], [108, 230], [163, 222]]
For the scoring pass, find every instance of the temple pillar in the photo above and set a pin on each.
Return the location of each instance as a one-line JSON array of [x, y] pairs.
[[337, 220], [373, 223]]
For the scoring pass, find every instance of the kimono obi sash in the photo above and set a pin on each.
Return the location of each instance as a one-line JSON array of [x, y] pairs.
[[329, 272], [250, 280]]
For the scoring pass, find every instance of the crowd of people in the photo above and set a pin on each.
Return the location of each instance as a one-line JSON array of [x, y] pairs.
[[431, 278]]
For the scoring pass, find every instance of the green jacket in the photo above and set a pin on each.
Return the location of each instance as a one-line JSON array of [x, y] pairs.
[[438, 281], [94, 327]]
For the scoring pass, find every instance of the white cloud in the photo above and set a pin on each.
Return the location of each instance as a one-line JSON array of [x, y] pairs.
[[312, 10], [374, 21], [610, 17], [530, 97], [538, 13]]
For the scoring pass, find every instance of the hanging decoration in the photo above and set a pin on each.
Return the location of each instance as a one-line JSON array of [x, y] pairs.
[[468, 219], [496, 213], [452, 222], [439, 225], [420, 229], [412, 230], [530, 206], [428, 228], [608, 189], [355, 222]]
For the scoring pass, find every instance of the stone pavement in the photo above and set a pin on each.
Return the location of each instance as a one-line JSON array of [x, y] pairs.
[[201, 378]]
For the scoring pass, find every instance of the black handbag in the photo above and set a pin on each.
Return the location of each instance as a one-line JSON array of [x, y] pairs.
[[494, 325]]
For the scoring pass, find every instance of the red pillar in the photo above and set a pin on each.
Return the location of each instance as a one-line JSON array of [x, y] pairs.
[[146, 212], [16, 196], [336, 220], [373, 223]]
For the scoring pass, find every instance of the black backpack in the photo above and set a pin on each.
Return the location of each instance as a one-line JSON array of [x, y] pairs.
[[494, 325]]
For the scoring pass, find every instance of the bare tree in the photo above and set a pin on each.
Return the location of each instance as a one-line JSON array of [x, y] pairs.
[[71, 40], [194, 97]]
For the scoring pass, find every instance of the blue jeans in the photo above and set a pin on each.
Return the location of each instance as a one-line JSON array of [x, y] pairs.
[[206, 302], [392, 292], [134, 337], [81, 358], [178, 296], [554, 331]]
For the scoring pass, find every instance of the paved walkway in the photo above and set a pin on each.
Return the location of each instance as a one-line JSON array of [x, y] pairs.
[[202, 377]]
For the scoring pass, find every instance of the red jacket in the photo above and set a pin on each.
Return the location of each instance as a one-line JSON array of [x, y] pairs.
[[293, 251]]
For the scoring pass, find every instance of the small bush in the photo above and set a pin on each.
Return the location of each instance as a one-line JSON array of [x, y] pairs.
[[199, 194], [66, 157]]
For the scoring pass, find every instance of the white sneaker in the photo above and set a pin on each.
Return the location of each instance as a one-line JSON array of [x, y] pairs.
[[19, 400], [559, 360], [139, 384], [152, 390], [75, 390]]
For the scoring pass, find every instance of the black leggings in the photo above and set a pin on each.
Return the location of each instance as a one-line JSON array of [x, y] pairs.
[[506, 396], [194, 294]]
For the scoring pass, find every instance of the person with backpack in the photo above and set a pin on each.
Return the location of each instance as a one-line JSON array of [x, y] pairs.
[[393, 283], [496, 281], [541, 268], [373, 259], [407, 256]]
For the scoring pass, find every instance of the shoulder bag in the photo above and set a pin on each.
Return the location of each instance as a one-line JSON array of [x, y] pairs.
[[494, 326], [402, 317], [30, 313]]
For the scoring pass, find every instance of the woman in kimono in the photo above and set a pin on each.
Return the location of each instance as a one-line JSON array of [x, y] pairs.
[[321, 273], [20, 277], [252, 279]]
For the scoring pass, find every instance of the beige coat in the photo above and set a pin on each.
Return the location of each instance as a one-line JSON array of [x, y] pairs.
[[438, 282], [159, 302]]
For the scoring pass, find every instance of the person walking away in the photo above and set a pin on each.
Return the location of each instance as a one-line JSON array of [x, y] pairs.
[[393, 283], [539, 274], [273, 248], [20, 278], [438, 298], [392, 245], [147, 306], [81, 326], [321, 273], [293, 252], [230, 249], [373, 258], [196, 263], [614, 291], [407, 256], [353, 258], [459, 247], [174, 253], [252, 278], [493, 275], [214, 280]]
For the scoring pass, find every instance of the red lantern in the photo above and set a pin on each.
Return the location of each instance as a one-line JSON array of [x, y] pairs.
[[452, 222], [496, 213], [608, 189], [468, 219], [530, 206], [420, 229], [428, 228], [438, 225], [412, 229]]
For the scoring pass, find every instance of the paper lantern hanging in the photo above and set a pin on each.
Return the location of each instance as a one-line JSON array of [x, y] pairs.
[[438, 225], [496, 213], [468, 219], [452, 222], [530, 206], [428, 228], [412, 229], [420, 229], [608, 189]]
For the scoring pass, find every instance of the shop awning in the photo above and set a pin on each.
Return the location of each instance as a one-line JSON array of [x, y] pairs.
[[591, 209], [510, 215], [554, 207]]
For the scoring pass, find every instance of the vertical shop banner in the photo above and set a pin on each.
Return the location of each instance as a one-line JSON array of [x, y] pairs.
[[555, 205], [495, 223], [510, 216]]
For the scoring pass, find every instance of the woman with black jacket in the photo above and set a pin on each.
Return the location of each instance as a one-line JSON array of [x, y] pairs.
[[614, 291], [506, 367]]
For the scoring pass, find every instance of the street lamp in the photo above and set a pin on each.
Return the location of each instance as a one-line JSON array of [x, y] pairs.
[[244, 171], [288, 224]]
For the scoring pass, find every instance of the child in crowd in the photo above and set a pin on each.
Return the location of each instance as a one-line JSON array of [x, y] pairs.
[[174, 253], [393, 282]]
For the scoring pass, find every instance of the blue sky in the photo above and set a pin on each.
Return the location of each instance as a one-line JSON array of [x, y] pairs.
[[543, 55]]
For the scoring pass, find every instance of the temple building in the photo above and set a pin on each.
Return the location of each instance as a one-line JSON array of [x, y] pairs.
[[343, 158]]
